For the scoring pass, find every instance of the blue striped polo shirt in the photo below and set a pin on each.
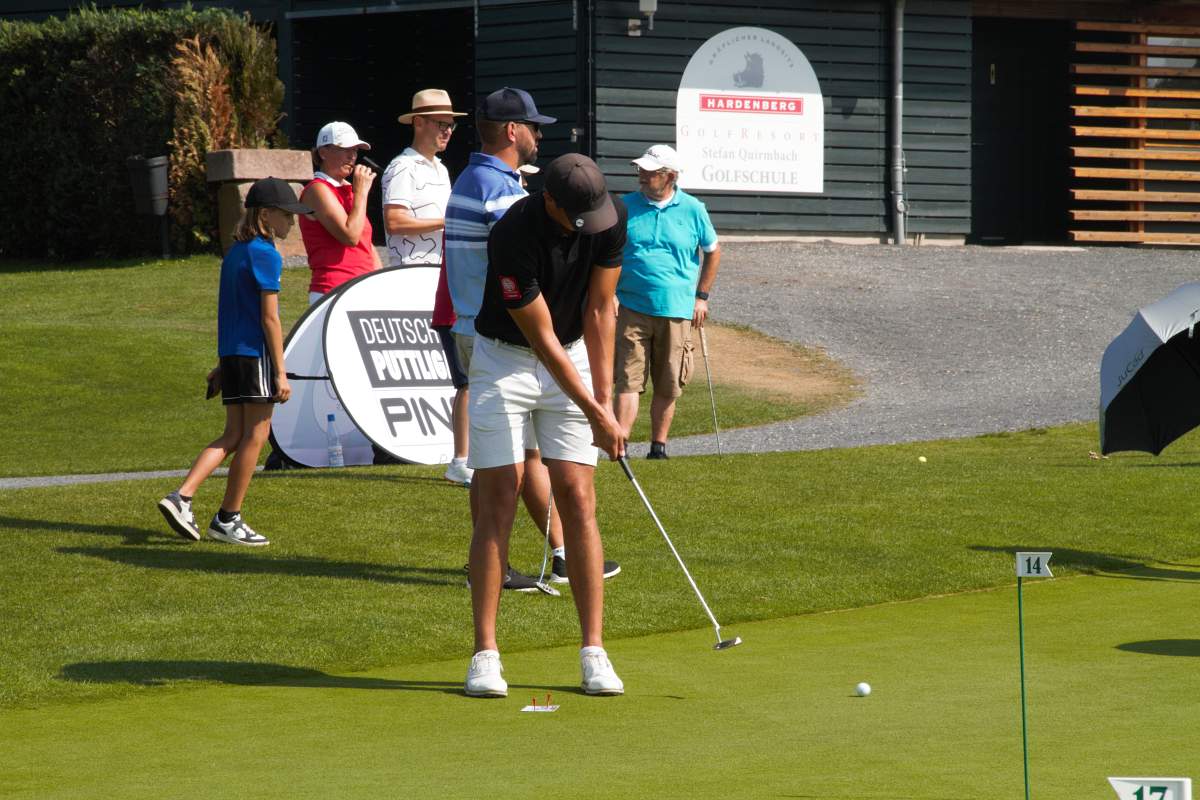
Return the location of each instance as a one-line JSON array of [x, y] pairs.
[[481, 195]]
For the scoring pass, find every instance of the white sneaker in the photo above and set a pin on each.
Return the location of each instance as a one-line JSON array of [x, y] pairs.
[[459, 472], [236, 531], [483, 677], [598, 674], [178, 514]]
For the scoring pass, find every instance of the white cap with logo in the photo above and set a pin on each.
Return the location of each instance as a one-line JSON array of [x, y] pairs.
[[340, 134], [659, 156]]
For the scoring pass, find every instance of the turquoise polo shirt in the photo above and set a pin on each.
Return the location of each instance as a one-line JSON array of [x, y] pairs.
[[661, 264]]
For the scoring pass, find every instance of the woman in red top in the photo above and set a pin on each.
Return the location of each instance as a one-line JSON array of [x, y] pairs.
[[338, 237]]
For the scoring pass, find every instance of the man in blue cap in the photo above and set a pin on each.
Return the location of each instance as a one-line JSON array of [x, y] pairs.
[[509, 126]]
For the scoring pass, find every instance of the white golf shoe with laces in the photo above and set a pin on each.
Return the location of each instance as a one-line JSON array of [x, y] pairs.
[[484, 677], [599, 677]]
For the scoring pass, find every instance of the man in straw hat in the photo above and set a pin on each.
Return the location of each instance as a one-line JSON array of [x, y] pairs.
[[416, 188], [416, 185]]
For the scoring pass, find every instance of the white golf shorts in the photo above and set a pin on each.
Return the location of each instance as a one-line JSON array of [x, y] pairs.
[[514, 395]]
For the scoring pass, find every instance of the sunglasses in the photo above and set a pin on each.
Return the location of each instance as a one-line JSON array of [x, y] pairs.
[[445, 127]]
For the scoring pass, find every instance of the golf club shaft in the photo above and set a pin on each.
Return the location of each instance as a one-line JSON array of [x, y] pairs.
[[712, 397], [546, 545], [629, 474]]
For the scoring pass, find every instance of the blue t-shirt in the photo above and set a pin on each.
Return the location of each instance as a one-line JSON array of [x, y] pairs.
[[481, 195], [661, 265], [249, 269]]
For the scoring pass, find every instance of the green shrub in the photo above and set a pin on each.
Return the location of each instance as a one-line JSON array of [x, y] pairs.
[[82, 93]]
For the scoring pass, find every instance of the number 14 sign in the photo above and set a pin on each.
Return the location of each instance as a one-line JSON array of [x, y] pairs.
[[1152, 788], [1034, 565]]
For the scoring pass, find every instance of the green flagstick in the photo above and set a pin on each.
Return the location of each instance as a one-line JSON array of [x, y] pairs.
[[1024, 715], [1029, 565]]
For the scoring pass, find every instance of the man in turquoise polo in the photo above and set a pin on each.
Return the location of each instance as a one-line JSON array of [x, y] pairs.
[[670, 264]]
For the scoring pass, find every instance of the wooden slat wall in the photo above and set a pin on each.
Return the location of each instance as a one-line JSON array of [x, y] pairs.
[[1137, 134], [847, 44], [532, 45]]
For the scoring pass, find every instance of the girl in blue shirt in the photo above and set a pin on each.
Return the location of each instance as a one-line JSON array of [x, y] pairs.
[[251, 373]]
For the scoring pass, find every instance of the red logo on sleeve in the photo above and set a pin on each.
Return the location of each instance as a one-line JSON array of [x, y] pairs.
[[508, 288]]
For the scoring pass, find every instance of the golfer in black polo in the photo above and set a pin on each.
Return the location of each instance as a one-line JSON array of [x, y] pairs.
[[543, 357]]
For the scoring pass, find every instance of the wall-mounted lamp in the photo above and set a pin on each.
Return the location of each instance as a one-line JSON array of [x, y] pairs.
[[647, 9]]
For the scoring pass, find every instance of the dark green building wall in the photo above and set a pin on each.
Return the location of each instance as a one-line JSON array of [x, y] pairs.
[[848, 45], [614, 94]]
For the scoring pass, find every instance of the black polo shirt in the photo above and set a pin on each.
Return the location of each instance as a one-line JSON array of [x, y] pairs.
[[530, 254]]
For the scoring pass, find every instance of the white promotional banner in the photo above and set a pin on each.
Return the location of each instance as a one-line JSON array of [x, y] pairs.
[[387, 366], [749, 116], [298, 427]]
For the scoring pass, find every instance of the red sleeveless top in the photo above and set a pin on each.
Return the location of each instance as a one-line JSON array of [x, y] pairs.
[[332, 262]]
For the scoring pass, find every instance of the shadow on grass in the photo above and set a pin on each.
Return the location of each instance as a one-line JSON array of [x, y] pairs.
[[239, 563], [1164, 647], [248, 673], [129, 534], [1112, 565]]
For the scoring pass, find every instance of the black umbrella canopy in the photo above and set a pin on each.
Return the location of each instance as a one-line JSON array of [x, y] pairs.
[[1160, 403]]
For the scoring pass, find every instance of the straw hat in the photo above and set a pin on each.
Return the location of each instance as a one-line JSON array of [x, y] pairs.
[[430, 101]]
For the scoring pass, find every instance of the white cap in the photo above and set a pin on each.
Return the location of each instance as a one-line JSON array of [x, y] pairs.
[[659, 156], [341, 135], [528, 169]]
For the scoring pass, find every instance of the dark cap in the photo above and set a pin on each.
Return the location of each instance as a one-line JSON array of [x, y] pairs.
[[512, 105], [275, 193], [577, 186]]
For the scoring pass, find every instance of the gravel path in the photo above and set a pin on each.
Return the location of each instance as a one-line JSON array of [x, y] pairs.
[[950, 342]]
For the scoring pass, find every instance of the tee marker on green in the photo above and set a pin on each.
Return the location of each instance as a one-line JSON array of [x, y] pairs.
[[1029, 565]]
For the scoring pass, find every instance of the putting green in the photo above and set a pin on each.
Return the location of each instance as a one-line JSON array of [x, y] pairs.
[[1113, 665]]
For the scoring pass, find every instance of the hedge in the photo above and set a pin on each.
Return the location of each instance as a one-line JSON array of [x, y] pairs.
[[82, 93]]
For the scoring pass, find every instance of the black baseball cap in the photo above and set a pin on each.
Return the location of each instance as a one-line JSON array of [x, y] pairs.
[[512, 105], [577, 186], [275, 193]]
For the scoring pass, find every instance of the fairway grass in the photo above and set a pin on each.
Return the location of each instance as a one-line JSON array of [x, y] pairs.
[[104, 368], [1112, 683], [365, 565]]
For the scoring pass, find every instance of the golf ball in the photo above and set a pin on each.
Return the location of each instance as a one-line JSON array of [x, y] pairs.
[[922, 459], [863, 689]]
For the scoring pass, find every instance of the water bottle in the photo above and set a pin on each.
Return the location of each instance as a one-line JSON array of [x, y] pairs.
[[334, 443]]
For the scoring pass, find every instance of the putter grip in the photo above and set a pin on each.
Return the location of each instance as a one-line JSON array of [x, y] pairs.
[[703, 342], [625, 466]]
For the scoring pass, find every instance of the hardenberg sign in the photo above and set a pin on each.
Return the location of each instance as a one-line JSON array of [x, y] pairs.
[[749, 116]]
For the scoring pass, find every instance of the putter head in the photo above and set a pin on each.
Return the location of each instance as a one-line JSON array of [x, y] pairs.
[[546, 588], [725, 644]]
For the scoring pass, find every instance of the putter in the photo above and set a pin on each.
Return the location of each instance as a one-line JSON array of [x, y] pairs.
[[542, 586], [722, 644], [712, 397]]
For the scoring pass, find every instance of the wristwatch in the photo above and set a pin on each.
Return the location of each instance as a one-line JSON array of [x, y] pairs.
[[702, 295]]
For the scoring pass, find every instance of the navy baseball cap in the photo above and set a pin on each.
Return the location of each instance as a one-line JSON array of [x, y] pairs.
[[578, 187], [512, 105], [275, 193]]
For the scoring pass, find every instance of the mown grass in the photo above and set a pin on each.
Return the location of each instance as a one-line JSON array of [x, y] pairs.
[[104, 367], [365, 565]]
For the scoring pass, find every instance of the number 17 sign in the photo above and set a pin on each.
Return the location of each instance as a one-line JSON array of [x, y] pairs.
[[1152, 788]]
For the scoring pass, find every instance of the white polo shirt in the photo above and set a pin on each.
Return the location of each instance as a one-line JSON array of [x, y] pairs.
[[423, 187]]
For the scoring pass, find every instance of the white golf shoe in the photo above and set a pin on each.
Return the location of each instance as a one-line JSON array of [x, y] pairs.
[[599, 677], [484, 678]]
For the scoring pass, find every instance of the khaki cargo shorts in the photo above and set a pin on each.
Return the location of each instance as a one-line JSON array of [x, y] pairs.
[[656, 347]]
